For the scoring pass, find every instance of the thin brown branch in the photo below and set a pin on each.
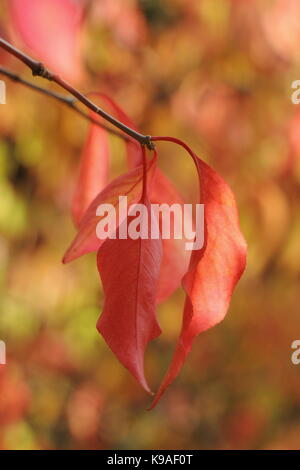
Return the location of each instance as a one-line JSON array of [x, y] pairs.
[[38, 69], [67, 100]]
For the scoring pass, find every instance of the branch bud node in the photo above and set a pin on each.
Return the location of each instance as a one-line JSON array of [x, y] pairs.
[[40, 70], [148, 142]]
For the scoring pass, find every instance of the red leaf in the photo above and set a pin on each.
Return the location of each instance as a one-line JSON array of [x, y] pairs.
[[93, 173], [214, 270], [129, 269], [129, 185], [51, 29]]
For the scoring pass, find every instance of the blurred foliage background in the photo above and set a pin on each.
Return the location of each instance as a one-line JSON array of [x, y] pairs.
[[218, 74]]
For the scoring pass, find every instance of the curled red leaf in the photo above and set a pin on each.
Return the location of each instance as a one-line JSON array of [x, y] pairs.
[[214, 269]]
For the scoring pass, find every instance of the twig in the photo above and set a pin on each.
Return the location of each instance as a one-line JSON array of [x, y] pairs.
[[38, 69]]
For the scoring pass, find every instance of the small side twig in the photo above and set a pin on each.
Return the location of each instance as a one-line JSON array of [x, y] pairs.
[[67, 100], [38, 69]]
